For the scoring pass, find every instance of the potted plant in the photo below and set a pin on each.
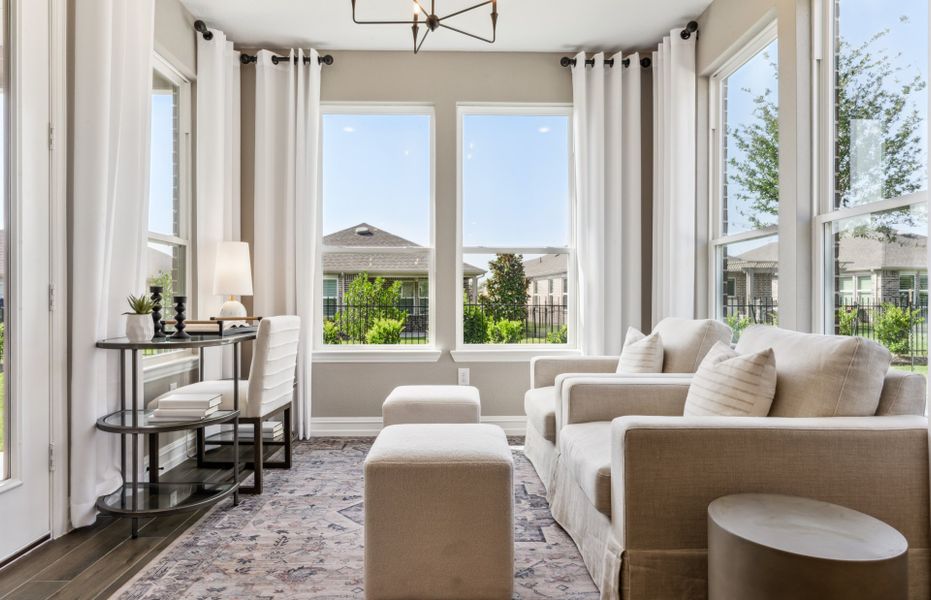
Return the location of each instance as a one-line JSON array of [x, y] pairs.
[[139, 324]]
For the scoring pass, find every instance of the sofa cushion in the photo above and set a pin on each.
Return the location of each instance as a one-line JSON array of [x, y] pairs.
[[821, 375], [903, 393], [686, 341], [728, 384], [586, 450], [641, 353], [540, 408]]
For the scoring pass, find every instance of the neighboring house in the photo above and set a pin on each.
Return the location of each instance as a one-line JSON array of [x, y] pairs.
[[870, 270], [411, 269], [547, 279]]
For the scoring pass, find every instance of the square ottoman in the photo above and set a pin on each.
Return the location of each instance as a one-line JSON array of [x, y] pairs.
[[439, 513], [432, 404]]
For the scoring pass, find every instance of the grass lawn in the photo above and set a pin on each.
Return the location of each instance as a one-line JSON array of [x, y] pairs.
[[923, 369]]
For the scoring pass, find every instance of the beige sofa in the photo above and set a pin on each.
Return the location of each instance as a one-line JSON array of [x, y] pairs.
[[633, 479], [685, 343]]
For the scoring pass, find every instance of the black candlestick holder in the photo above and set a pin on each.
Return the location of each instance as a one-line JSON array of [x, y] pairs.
[[180, 333], [156, 291]]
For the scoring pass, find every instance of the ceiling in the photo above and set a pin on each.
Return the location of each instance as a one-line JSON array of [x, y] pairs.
[[523, 25]]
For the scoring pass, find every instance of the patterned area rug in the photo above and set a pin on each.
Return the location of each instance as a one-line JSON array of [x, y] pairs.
[[303, 537]]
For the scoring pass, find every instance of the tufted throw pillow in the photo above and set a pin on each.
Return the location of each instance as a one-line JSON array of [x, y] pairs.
[[728, 384], [641, 353]]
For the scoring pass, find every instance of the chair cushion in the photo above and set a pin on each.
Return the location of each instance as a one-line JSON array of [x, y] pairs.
[[586, 450], [223, 387], [687, 341], [821, 375], [728, 384], [540, 408], [641, 353]]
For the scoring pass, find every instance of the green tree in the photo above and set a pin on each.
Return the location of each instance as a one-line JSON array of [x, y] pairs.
[[506, 293], [365, 301], [871, 83], [894, 325]]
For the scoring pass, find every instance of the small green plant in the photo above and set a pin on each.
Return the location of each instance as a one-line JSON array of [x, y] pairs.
[[893, 326], [505, 331], [560, 336], [737, 323], [385, 331], [140, 305], [474, 324], [846, 320], [331, 333]]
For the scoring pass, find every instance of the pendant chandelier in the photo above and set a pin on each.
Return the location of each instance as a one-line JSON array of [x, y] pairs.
[[433, 22]]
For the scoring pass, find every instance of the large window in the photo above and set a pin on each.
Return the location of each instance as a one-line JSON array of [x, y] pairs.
[[168, 254], [745, 178], [377, 233], [873, 219], [515, 225]]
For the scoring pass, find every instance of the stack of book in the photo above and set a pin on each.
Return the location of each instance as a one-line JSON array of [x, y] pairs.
[[186, 407], [270, 430]]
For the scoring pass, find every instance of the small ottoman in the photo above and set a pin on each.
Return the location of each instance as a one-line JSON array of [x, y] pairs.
[[439, 513], [432, 404]]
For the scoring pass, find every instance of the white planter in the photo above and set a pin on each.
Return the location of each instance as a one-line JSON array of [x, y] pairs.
[[140, 328]]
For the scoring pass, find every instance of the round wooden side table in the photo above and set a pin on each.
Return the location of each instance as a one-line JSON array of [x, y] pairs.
[[766, 546]]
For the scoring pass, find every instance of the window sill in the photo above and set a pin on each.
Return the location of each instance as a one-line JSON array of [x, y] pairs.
[[511, 354], [427, 354]]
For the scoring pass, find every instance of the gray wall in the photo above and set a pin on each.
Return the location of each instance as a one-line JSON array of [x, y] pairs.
[[174, 36]]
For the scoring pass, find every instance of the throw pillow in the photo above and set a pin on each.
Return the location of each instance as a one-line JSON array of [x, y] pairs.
[[641, 353], [728, 384]]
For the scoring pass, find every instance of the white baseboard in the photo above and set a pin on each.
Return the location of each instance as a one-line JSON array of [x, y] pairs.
[[370, 426]]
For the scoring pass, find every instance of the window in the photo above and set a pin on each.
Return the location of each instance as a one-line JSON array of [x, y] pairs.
[[168, 255], [873, 208], [377, 233], [514, 224], [330, 296], [745, 174]]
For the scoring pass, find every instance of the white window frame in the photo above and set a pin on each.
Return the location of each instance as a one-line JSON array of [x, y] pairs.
[[185, 209], [377, 353], [823, 309], [513, 352], [716, 123]]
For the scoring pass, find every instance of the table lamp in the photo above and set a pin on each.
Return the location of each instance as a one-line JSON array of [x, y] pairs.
[[232, 277]]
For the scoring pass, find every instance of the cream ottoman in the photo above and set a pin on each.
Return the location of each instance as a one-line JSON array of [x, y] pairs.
[[432, 404], [439, 513]]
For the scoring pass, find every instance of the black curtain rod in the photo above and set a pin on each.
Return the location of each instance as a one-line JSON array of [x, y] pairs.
[[201, 28], [690, 28]]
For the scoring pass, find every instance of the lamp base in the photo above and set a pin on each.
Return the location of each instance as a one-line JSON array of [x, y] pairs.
[[233, 308]]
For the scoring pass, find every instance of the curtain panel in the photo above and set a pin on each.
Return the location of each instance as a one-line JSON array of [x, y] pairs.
[[674, 178], [607, 236], [287, 207], [113, 42], [218, 175]]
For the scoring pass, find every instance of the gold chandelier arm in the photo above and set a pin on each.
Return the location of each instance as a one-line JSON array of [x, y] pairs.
[[465, 10], [471, 35]]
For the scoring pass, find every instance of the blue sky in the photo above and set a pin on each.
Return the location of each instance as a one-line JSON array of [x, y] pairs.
[[161, 165]]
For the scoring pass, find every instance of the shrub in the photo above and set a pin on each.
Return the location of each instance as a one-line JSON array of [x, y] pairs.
[[893, 325], [737, 323], [385, 331], [474, 324], [365, 302], [846, 320], [505, 332], [560, 336], [331, 334]]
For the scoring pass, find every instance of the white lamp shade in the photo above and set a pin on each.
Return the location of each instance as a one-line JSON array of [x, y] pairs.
[[232, 275]]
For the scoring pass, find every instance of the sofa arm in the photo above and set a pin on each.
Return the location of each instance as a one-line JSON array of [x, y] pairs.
[[666, 470], [544, 369], [584, 399]]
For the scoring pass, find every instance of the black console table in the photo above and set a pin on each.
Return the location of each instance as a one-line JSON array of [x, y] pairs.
[[135, 498]]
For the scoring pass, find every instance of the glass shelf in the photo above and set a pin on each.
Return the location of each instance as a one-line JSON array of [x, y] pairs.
[[122, 422], [225, 437], [159, 498]]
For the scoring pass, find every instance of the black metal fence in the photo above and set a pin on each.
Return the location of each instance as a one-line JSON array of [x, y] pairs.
[[539, 323], [760, 311], [901, 325], [359, 323]]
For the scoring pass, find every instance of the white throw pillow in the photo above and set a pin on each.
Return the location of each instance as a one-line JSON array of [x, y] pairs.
[[641, 353], [728, 384]]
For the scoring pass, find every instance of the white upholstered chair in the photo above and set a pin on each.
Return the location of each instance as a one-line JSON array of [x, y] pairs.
[[266, 394]]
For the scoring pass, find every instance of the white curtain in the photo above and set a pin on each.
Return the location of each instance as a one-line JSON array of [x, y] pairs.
[[287, 208], [218, 174], [110, 185], [674, 172], [606, 139]]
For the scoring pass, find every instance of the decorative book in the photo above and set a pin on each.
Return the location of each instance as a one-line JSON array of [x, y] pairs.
[[190, 401]]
